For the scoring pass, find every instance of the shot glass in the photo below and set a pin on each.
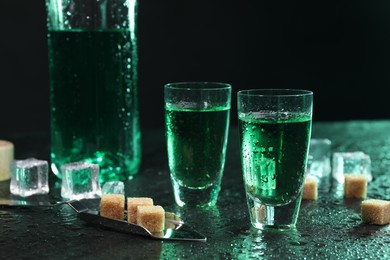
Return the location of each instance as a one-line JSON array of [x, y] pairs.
[[275, 130], [197, 118]]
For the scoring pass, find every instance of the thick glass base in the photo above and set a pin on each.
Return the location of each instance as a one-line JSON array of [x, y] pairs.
[[202, 197], [267, 217]]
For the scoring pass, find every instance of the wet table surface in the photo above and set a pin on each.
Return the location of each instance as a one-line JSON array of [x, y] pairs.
[[328, 228]]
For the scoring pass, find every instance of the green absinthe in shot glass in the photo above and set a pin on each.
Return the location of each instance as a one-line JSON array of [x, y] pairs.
[[94, 116], [274, 151], [196, 140]]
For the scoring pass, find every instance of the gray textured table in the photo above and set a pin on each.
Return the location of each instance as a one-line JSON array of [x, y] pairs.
[[327, 228]]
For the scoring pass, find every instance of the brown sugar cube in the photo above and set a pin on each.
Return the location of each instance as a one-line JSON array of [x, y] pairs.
[[151, 217], [355, 186], [310, 189], [113, 206], [258, 213], [376, 212], [132, 204]]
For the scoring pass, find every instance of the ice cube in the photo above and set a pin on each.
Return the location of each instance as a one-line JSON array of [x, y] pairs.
[[319, 158], [80, 180], [351, 162], [113, 187], [29, 177]]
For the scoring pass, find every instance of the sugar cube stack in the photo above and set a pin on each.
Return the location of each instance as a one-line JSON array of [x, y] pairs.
[[355, 186], [140, 211], [6, 156], [113, 206], [151, 217], [376, 212], [310, 189], [132, 204]]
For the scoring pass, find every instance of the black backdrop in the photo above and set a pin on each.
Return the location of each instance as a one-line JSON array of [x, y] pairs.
[[338, 49]]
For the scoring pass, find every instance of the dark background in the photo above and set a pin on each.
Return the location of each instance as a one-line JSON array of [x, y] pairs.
[[338, 49]]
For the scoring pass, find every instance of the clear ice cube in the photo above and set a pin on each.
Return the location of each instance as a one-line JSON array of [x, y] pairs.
[[113, 187], [80, 180], [351, 162], [29, 177], [319, 158]]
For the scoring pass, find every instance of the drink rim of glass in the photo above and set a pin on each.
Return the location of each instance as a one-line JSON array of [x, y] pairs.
[[201, 85], [270, 92]]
